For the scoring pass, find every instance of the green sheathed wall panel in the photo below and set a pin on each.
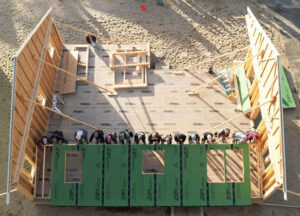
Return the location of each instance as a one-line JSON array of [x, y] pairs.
[[287, 97], [168, 184], [194, 175], [62, 194], [141, 185], [90, 190], [242, 192], [220, 194], [116, 175]]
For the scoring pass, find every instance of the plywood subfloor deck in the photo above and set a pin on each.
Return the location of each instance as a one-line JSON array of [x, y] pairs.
[[164, 106]]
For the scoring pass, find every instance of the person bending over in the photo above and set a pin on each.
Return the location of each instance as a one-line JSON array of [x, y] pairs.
[[194, 139], [81, 136], [57, 137], [140, 137], [154, 138], [207, 136], [111, 138], [179, 138], [167, 139], [223, 134], [125, 137], [252, 136], [239, 137], [43, 141], [98, 135]]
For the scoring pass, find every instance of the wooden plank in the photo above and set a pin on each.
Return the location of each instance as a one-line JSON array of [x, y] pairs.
[[67, 82], [31, 107], [25, 189], [129, 65]]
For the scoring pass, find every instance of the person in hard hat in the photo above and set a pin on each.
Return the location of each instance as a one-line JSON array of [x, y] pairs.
[[111, 138], [98, 135], [252, 136], [194, 139], [125, 137], [154, 138], [179, 138], [166, 139], [81, 136], [223, 134], [239, 137], [140, 137], [57, 137], [207, 136]]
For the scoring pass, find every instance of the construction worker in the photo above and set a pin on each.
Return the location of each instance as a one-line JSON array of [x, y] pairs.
[[239, 137], [207, 136], [111, 138], [98, 135], [194, 139], [140, 136], [154, 138], [81, 136], [43, 141], [179, 138], [252, 136], [223, 134], [167, 139], [124, 136], [57, 137], [91, 39]]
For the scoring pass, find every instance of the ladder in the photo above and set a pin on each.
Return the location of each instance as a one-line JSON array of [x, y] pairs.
[[225, 80]]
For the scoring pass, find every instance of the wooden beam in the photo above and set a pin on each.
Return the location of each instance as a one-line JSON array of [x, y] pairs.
[[43, 177], [63, 115], [129, 65], [71, 74], [131, 53], [85, 32], [212, 59], [21, 155], [242, 114]]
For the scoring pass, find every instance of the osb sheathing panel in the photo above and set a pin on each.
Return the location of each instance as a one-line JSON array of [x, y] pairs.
[[26, 69], [266, 70]]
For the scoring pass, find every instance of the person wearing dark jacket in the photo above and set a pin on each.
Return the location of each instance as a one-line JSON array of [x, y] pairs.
[[124, 136], [81, 136], [179, 138], [154, 138], [194, 139], [111, 138], [58, 137], [140, 136], [207, 136], [43, 141], [98, 135]]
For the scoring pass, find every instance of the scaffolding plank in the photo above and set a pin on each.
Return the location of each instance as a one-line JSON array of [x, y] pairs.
[[116, 175], [141, 185], [243, 89], [168, 184], [194, 175], [90, 190], [62, 194]]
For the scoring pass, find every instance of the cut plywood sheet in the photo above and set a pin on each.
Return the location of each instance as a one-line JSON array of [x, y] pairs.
[[67, 82]]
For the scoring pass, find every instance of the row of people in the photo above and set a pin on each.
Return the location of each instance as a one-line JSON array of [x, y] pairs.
[[124, 137]]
